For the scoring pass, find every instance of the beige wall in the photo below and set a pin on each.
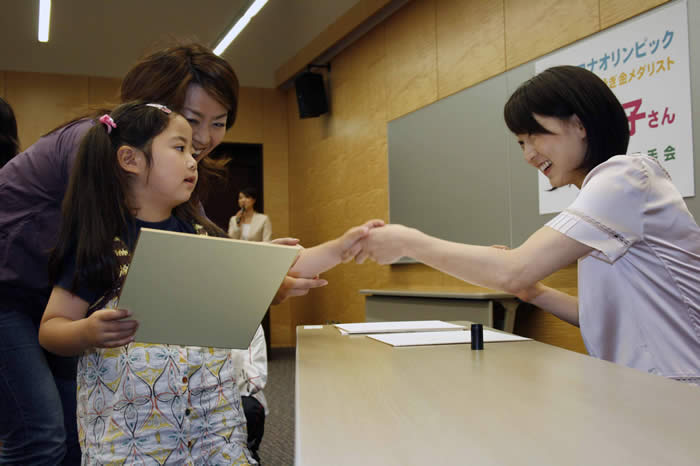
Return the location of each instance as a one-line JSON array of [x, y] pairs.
[[43, 101], [427, 50]]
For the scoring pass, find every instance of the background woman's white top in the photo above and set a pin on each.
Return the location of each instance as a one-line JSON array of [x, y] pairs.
[[639, 291], [260, 228]]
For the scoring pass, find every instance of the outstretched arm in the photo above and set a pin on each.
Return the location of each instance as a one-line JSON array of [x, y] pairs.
[[512, 270], [318, 259], [65, 330]]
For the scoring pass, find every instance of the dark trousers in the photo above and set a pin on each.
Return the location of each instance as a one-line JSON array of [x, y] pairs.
[[255, 418], [37, 397]]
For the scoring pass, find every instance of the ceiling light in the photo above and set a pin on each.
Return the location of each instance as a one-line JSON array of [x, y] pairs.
[[238, 27], [44, 19]]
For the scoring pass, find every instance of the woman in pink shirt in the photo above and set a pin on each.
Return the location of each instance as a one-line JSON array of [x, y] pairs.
[[636, 243]]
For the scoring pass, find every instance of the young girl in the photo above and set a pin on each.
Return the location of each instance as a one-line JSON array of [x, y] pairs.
[[142, 403], [637, 245]]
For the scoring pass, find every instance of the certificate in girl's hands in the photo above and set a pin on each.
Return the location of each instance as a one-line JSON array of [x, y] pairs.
[[195, 290]]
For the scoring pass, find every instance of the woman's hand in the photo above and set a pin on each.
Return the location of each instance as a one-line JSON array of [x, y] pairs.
[[107, 328], [385, 245]]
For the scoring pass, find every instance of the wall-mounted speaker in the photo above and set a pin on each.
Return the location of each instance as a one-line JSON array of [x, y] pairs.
[[311, 95]]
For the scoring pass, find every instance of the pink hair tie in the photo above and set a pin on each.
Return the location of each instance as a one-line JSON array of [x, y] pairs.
[[108, 122]]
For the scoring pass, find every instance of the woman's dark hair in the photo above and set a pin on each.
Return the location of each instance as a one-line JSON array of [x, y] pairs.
[[250, 191], [564, 91], [9, 142], [164, 76], [96, 205]]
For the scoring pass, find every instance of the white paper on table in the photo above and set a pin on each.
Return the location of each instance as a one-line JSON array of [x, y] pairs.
[[441, 338], [392, 327]]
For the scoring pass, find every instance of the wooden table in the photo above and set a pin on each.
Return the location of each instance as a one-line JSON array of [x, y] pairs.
[[393, 305], [361, 402]]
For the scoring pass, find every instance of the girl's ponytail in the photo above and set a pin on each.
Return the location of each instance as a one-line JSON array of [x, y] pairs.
[[96, 205], [94, 208]]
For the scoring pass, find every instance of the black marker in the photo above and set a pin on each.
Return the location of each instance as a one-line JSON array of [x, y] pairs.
[[477, 337]]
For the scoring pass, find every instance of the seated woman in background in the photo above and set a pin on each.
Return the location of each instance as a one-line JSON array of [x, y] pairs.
[[248, 224], [9, 142], [637, 245]]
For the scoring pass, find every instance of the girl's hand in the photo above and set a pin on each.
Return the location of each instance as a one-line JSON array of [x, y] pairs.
[[293, 286], [107, 328]]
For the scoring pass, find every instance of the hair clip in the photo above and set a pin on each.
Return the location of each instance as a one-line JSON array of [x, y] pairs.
[[160, 107], [108, 122]]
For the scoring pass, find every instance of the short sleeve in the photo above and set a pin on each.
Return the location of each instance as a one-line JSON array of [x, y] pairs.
[[66, 281], [608, 214]]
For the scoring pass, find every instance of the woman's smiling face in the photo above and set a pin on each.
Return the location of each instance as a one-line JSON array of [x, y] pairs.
[[207, 117], [559, 153]]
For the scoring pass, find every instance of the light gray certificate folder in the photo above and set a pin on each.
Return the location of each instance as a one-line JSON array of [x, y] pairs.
[[195, 290]]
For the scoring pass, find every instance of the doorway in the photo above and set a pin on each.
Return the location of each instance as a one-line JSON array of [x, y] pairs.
[[244, 169]]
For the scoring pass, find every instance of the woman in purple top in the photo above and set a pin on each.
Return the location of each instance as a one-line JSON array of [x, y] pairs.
[[36, 388], [9, 142], [636, 243]]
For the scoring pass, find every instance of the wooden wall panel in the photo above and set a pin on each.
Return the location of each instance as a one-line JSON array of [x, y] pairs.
[[330, 36], [249, 119], [44, 101], [536, 27], [2, 84], [276, 185], [411, 57], [104, 92], [616, 11], [463, 57], [338, 172]]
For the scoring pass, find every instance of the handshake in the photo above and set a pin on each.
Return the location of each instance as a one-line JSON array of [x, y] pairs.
[[371, 240]]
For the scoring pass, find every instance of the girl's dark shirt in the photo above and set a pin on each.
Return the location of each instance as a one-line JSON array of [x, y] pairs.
[[91, 294]]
